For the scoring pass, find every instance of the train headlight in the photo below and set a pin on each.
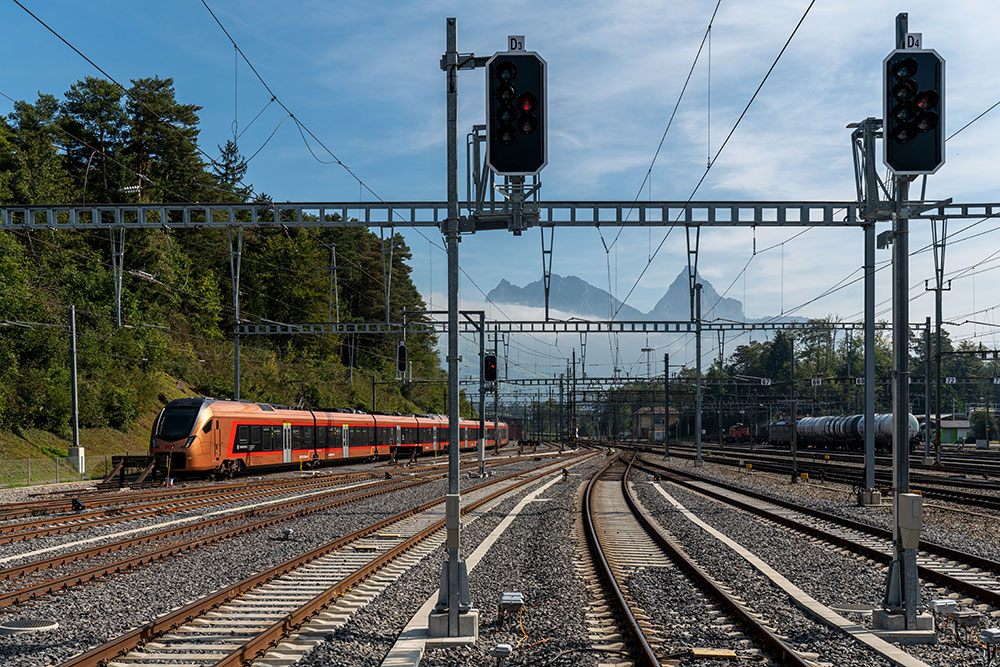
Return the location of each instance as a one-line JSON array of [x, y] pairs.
[[189, 441]]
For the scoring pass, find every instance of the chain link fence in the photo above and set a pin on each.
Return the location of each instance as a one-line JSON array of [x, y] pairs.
[[50, 470]]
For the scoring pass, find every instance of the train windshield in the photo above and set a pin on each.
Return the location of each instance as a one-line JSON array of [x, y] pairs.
[[177, 422]]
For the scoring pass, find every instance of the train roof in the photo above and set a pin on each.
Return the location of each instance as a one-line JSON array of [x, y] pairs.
[[245, 406]]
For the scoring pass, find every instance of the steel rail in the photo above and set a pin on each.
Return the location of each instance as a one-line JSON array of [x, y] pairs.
[[279, 630], [930, 547], [50, 525], [777, 648], [851, 475], [21, 595], [356, 493], [632, 623], [94, 499], [44, 528], [145, 633], [980, 593]]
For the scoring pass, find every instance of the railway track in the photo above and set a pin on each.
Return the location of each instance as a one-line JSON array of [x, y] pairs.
[[934, 487], [951, 569], [94, 499], [625, 540], [236, 624], [28, 581], [186, 500]]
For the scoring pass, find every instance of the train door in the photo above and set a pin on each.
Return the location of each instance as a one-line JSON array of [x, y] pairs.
[[346, 448], [217, 439], [399, 435], [286, 443]]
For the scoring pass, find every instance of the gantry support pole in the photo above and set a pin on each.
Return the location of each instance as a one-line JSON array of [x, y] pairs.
[[869, 422], [697, 375]]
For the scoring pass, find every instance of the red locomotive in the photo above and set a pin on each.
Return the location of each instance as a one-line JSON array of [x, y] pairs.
[[208, 435]]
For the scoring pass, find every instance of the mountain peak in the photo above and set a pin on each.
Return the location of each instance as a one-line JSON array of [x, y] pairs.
[[575, 295]]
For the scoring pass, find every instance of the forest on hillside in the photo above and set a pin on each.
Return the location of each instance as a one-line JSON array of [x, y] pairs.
[[100, 144]]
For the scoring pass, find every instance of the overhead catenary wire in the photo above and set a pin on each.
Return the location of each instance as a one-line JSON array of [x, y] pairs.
[[124, 90], [304, 130], [722, 147]]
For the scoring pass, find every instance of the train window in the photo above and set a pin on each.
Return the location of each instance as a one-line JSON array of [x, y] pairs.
[[255, 438], [207, 427], [176, 422], [307, 436], [265, 438], [242, 438], [321, 436], [296, 437]]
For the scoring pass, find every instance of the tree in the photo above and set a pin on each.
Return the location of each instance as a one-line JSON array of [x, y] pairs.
[[230, 169], [977, 425], [92, 125], [39, 174], [162, 142]]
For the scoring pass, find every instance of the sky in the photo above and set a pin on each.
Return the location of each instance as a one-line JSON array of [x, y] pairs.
[[364, 77]]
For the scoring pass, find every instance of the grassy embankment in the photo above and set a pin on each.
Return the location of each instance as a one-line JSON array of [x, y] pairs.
[[100, 444]]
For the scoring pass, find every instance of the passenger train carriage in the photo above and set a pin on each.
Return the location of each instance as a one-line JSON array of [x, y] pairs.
[[207, 435]]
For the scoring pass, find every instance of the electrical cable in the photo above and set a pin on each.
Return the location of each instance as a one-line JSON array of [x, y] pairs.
[[721, 148]]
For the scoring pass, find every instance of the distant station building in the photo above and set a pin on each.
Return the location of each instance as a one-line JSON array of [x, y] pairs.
[[954, 428], [647, 423]]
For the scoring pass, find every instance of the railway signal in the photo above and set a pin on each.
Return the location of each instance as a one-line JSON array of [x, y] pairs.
[[516, 113], [490, 368], [913, 109], [401, 358]]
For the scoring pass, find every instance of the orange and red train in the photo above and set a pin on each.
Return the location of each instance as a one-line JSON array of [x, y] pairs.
[[208, 435]]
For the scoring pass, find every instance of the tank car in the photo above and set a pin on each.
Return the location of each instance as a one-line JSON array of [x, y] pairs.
[[838, 432]]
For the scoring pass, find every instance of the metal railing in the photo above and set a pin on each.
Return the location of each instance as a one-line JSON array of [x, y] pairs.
[[51, 470]]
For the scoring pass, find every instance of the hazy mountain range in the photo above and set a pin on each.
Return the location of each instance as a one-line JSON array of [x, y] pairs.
[[575, 295]]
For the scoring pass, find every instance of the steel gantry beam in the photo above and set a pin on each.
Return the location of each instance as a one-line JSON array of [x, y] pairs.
[[434, 214], [542, 326]]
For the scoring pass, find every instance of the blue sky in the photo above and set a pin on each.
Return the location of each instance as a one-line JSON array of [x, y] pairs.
[[364, 77]]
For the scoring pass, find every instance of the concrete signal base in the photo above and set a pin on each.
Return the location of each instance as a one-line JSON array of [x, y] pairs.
[[437, 629], [891, 626], [869, 498]]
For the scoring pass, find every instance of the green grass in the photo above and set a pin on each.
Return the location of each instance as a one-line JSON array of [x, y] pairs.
[[99, 444]]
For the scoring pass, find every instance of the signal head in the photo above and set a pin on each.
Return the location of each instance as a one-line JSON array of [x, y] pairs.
[[515, 114], [913, 109]]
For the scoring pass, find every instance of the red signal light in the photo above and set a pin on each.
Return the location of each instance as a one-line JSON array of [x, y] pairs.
[[527, 102]]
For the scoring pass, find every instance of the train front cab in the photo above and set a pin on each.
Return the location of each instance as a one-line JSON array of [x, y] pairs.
[[185, 438]]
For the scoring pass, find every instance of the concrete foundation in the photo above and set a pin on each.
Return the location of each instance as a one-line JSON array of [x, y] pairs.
[[891, 626], [77, 459], [437, 629], [869, 498], [698, 464]]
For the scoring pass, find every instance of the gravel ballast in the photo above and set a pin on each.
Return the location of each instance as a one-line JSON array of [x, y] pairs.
[[832, 577], [94, 614], [534, 556]]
